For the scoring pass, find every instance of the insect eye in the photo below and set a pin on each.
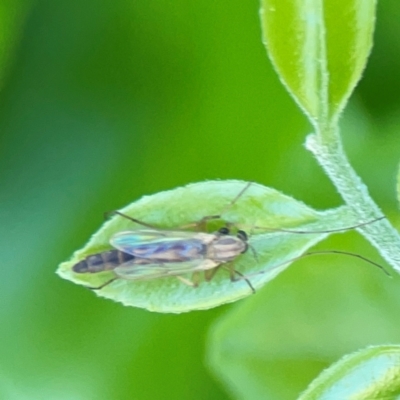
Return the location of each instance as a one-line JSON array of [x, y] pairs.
[[224, 231], [242, 235]]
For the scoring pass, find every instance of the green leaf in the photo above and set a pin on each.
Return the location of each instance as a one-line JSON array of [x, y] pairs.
[[372, 373], [319, 49], [256, 210]]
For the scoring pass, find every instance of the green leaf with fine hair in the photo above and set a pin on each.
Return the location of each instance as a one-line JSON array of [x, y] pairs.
[[256, 211], [319, 49], [372, 373]]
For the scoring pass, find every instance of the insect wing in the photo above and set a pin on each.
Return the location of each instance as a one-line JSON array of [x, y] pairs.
[[162, 246], [141, 270]]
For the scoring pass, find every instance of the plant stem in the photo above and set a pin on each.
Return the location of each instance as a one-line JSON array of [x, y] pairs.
[[328, 150]]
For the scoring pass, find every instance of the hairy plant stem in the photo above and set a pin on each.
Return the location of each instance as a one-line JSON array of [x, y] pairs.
[[327, 148]]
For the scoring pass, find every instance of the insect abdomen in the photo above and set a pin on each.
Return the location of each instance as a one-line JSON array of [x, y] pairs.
[[105, 261]]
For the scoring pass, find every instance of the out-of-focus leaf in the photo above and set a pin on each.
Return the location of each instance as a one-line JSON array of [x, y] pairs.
[[319, 49], [398, 185], [372, 373], [12, 16], [274, 344], [258, 209]]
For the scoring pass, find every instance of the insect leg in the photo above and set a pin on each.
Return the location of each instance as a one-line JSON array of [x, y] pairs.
[[233, 271], [228, 206], [194, 282], [102, 285], [253, 251], [209, 274], [234, 200], [136, 221], [187, 281], [200, 225]]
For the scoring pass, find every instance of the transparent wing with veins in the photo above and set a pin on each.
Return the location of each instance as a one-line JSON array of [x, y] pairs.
[[135, 270], [163, 246]]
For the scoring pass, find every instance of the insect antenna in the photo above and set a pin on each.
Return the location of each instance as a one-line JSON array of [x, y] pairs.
[[322, 231], [321, 252], [347, 253]]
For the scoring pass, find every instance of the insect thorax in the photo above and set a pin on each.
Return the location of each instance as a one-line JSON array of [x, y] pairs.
[[226, 248]]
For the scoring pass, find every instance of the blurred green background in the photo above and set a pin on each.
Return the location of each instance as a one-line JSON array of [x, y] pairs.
[[104, 101]]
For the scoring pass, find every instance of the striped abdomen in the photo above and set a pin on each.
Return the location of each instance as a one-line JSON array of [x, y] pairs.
[[105, 261]]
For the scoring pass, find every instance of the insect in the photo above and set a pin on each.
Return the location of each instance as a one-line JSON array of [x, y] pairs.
[[151, 253], [146, 254]]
